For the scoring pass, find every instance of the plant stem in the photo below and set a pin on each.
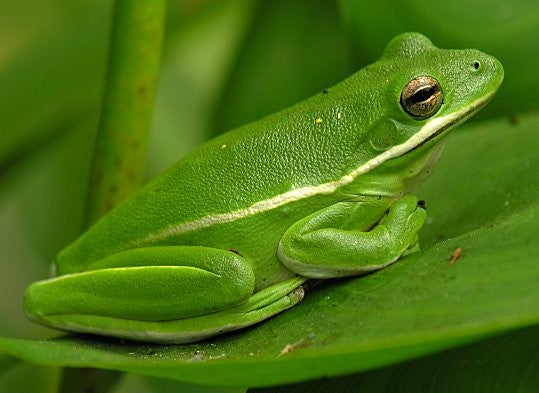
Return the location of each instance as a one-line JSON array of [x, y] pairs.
[[120, 148]]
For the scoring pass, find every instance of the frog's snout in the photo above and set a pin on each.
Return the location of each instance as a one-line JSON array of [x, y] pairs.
[[487, 67]]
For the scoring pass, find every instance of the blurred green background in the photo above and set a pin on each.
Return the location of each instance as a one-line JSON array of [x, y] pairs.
[[225, 63]]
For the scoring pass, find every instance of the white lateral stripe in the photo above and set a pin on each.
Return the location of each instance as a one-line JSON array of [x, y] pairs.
[[424, 133]]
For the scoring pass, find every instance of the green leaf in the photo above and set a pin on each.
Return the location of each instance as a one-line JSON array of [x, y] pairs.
[[55, 83], [132, 383], [24, 377], [284, 59], [6, 362], [484, 198], [508, 363]]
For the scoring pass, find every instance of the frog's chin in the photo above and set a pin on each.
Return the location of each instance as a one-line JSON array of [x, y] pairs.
[[401, 175]]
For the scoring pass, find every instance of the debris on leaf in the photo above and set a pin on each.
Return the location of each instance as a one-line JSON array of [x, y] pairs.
[[455, 256], [290, 347]]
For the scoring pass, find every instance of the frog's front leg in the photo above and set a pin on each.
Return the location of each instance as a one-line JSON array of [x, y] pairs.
[[344, 240]]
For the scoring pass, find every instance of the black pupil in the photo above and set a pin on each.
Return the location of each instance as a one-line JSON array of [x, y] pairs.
[[423, 94]]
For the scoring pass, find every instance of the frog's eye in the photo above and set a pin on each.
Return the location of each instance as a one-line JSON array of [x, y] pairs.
[[422, 97]]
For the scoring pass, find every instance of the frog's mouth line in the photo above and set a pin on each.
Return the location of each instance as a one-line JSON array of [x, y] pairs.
[[454, 119], [430, 130]]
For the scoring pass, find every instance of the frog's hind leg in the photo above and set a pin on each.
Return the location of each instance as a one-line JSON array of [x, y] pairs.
[[144, 284], [173, 294], [260, 306]]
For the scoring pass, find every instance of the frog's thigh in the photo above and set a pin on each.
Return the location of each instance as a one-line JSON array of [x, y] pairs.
[[156, 283], [325, 244]]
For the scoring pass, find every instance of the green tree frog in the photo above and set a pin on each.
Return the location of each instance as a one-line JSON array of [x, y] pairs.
[[227, 237]]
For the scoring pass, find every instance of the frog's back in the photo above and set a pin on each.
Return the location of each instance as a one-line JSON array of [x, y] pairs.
[[311, 143]]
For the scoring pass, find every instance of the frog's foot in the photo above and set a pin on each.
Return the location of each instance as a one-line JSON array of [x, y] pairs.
[[325, 245], [413, 247], [258, 307]]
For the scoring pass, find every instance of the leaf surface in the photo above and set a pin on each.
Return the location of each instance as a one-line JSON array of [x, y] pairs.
[[483, 198]]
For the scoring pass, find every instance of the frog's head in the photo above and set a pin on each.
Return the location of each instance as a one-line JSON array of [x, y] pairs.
[[426, 91]]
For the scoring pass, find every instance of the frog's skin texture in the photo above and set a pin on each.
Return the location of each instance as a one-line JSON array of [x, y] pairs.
[[227, 236]]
